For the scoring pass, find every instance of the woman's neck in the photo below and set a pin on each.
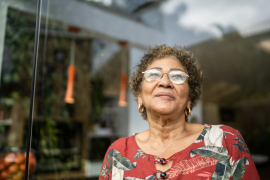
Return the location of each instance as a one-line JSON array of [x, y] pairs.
[[165, 129]]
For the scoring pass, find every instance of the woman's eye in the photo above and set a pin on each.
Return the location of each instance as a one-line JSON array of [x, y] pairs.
[[177, 76], [154, 75]]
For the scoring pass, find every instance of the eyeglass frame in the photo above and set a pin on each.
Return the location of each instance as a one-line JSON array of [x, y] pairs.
[[167, 75]]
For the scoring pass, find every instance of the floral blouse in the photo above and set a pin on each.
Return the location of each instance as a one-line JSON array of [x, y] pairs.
[[218, 153]]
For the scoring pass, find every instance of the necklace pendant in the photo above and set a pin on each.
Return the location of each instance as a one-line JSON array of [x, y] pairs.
[[162, 161], [163, 175]]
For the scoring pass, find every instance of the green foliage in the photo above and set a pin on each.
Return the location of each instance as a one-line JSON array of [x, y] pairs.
[[49, 135], [223, 169], [201, 137], [139, 154], [122, 162], [226, 135], [106, 170], [151, 177], [17, 61], [238, 168], [2, 130], [97, 99], [219, 153]]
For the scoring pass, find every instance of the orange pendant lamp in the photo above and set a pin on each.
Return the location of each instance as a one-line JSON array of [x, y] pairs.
[[123, 85], [70, 85], [71, 69]]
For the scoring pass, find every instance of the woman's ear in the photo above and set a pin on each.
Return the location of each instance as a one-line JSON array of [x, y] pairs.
[[189, 104], [139, 98]]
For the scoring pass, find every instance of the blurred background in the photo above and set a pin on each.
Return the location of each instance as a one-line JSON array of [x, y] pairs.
[[87, 50]]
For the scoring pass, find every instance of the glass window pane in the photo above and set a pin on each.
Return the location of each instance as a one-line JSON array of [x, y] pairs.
[[17, 35], [87, 51]]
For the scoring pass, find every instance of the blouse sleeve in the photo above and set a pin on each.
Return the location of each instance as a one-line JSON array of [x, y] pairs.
[[241, 162], [106, 168]]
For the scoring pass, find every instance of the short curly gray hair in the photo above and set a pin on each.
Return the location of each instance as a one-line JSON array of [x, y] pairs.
[[195, 79]]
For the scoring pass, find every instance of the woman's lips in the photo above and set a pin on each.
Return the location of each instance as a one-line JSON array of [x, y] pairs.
[[164, 95]]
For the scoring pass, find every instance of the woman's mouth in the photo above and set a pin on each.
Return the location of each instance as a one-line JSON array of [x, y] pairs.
[[164, 95]]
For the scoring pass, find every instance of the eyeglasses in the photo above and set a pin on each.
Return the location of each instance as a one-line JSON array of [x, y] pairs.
[[176, 77]]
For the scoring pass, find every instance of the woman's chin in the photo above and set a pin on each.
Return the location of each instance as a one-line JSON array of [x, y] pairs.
[[165, 110]]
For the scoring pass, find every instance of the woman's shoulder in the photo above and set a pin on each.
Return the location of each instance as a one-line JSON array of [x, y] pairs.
[[223, 128], [220, 135], [123, 143]]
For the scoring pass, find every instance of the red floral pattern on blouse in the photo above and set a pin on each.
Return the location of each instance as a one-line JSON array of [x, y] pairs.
[[219, 152]]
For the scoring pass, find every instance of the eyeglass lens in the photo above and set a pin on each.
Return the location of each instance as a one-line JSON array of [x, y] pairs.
[[177, 77]]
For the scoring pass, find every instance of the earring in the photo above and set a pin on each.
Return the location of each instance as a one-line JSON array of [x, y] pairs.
[[188, 113], [140, 108]]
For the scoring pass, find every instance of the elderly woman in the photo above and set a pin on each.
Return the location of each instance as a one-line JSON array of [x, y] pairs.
[[167, 83]]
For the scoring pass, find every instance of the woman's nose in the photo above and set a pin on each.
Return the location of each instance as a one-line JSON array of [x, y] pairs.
[[165, 81]]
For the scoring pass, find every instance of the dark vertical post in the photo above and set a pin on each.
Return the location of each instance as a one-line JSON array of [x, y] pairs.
[[33, 84]]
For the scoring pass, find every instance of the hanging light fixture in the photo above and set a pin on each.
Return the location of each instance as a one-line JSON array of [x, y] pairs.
[[70, 85], [123, 85], [71, 69]]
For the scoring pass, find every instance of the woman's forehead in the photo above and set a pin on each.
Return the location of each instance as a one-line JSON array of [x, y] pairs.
[[166, 63]]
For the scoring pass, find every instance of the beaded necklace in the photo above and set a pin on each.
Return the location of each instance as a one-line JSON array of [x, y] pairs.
[[167, 147], [164, 175]]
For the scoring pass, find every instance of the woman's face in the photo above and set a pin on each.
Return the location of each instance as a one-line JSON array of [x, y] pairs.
[[162, 96]]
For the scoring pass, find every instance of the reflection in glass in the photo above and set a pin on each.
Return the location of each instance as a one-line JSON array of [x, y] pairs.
[[16, 56]]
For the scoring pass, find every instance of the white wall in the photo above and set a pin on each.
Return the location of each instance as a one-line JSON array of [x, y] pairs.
[[197, 113], [136, 123]]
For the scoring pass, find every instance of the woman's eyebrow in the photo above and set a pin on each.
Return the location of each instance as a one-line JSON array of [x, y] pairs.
[[172, 69], [176, 69], [159, 68]]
